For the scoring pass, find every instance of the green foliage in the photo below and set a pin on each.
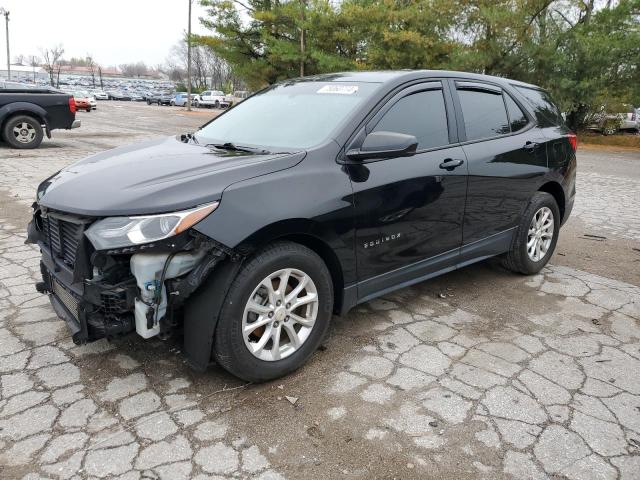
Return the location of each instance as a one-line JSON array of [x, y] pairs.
[[586, 52]]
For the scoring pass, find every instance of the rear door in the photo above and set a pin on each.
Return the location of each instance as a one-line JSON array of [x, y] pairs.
[[409, 210], [505, 152]]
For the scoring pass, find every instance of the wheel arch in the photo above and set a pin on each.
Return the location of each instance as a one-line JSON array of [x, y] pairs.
[[310, 234], [21, 108], [203, 306], [557, 192], [329, 258]]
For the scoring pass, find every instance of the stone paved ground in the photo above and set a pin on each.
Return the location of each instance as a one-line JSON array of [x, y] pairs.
[[477, 374]]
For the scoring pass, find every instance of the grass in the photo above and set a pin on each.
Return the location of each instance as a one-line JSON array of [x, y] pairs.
[[624, 142]]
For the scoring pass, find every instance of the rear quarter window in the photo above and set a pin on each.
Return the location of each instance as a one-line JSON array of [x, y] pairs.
[[544, 109]]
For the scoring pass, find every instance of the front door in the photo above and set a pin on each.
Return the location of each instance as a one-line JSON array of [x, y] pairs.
[[409, 210]]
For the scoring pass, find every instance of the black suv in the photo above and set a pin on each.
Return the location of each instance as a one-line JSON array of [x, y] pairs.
[[308, 198]]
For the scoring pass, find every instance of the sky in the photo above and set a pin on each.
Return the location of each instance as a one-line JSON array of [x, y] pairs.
[[112, 31]]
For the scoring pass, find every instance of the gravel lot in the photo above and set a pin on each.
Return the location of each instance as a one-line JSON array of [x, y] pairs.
[[476, 374]]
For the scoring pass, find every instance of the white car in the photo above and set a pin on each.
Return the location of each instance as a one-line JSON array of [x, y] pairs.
[[100, 95], [211, 98]]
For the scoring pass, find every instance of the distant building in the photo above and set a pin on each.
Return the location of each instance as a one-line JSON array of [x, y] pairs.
[[86, 71], [24, 72]]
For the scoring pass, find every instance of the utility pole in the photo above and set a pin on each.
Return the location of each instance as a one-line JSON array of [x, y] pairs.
[[6, 22], [189, 59]]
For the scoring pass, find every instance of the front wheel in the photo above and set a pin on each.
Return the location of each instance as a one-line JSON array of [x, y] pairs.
[[276, 313], [535, 240], [22, 131], [196, 104]]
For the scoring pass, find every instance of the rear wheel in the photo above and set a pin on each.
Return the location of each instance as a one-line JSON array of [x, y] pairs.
[[276, 313], [22, 131], [536, 237], [216, 104]]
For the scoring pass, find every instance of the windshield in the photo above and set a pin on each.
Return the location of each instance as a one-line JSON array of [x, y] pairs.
[[289, 116]]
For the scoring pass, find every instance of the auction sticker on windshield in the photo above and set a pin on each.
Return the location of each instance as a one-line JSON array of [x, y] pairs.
[[339, 89]]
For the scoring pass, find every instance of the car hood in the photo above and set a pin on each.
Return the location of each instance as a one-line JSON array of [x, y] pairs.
[[156, 176]]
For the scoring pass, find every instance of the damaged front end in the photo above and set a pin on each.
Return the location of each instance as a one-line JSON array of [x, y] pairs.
[[103, 293]]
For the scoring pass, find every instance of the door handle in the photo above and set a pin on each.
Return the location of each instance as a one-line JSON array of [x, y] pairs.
[[531, 146], [449, 163]]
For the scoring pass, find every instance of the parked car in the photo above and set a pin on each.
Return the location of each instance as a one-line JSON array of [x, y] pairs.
[[136, 97], [611, 123], [88, 96], [160, 98], [118, 95], [180, 99], [337, 189], [6, 84], [100, 95], [82, 101], [212, 98], [26, 115], [240, 95]]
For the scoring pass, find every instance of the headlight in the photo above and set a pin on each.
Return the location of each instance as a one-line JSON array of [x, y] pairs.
[[117, 232]]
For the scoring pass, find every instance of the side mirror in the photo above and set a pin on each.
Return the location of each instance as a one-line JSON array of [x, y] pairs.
[[385, 145]]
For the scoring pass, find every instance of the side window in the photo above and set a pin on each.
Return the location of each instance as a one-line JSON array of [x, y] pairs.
[[517, 118], [546, 112], [421, 114], [484, 114]]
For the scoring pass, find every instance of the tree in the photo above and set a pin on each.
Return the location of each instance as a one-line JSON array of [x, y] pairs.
[[282, 39], [52, 63], [134, 69], [34, 61], [586, 52], [207, 68], [92, 68]]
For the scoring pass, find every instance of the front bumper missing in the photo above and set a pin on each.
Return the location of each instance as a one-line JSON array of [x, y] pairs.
[[87, 309], [66, 304]]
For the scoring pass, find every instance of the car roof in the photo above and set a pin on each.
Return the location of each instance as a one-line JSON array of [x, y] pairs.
[[400, 76]]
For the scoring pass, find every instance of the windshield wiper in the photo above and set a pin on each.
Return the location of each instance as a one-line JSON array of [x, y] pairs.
[[238, 148]]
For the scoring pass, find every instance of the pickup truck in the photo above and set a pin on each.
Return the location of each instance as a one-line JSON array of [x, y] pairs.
[[27, 115], [211, 98]]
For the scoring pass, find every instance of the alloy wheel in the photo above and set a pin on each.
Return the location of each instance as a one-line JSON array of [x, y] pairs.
[[280, 314], [540, 234], [24, 132]]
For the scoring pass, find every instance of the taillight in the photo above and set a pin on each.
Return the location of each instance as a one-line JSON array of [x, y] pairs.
[[72, 105], [573, 141]]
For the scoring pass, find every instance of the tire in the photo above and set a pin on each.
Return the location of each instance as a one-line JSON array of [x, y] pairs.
[[231, 350], [609, 131], [17, 138], [216, 104], [519, 259], [172, 103], [196, 104], [148, 102]]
